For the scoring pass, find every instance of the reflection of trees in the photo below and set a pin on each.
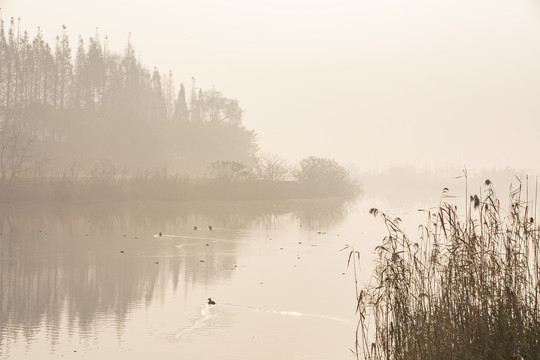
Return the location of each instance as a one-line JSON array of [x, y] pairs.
[[310, 214], [66, 262], [322, 214]]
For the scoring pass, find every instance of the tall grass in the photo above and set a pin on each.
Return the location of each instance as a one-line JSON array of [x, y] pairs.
[[467, 288]]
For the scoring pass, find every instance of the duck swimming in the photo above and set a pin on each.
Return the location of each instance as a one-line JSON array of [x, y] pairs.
[[160, 234], [211, 302], [210, 227]]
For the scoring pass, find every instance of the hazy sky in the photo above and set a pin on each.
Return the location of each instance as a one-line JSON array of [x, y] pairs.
[[422, 82]]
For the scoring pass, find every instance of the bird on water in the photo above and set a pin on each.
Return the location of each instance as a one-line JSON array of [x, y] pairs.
[[211, 302], [210, 227]]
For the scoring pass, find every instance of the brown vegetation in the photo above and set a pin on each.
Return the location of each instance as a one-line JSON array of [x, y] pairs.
[[468, 288]]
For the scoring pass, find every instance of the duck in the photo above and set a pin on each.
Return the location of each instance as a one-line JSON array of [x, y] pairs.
[[195, 228], [210, 227], [160, 234], [211, 302]]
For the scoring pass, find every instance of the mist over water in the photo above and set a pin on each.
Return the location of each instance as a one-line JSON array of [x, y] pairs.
[[99, 283], [97, 280], [157, 154]]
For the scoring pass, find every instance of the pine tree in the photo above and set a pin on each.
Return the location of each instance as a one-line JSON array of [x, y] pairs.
[[195, 114], [37, 50], [181, 111], [17, 65], [132, 101], [95, 74], [10, 54], [80, 70], [129, 64], [26, 71], [48, 72], [3, 64], [196, 104], [157, 111], [63, 69], [168, 94]]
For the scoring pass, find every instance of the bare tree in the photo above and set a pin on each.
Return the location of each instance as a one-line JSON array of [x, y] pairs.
[[271, 167], [17, 155]]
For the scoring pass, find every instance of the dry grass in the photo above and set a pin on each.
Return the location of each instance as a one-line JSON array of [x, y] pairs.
[[468, 288]]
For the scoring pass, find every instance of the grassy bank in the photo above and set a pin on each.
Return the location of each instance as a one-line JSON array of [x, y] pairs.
[[466, 288], [164, 188]]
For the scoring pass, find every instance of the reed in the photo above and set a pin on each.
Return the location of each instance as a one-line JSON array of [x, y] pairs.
[[467, 288]]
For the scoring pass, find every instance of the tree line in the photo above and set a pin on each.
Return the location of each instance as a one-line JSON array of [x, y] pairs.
[[84, 105], [89, 116]]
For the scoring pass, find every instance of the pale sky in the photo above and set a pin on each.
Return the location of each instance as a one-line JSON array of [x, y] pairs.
[[375, 82]]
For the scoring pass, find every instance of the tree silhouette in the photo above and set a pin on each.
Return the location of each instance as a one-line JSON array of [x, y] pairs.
[[102, 106], [323, 176], [271, 167], [181, 111]]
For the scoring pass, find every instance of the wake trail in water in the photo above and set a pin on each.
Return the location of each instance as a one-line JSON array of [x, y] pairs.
[[206, 313], [287, 313]]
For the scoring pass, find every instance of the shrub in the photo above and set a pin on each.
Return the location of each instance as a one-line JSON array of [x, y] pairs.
[[324, 177]]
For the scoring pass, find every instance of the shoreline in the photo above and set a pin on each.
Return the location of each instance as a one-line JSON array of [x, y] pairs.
[[68, 189]]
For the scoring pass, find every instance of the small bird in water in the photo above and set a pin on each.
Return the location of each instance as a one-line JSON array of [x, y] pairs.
[[210, 227], [195, 228], [160, 234], [211, 302]]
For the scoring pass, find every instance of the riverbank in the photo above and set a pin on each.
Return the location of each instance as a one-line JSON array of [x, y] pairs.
[[166, 188]]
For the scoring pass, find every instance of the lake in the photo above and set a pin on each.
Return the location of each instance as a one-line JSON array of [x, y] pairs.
[[88, 281]]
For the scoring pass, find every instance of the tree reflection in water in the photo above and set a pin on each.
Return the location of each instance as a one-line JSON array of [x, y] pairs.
[[83, 263]]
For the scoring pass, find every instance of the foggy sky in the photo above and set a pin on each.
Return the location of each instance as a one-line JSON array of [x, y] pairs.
[[423, 82]]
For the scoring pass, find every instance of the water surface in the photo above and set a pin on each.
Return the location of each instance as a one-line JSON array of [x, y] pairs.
[[92, 281]]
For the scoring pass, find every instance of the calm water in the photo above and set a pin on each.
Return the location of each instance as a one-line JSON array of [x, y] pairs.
[[95, 281]]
